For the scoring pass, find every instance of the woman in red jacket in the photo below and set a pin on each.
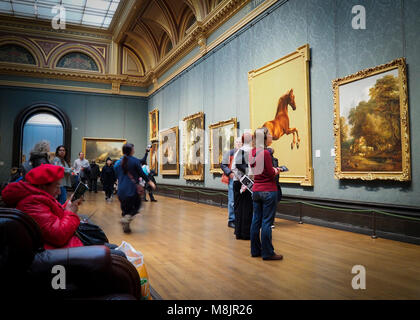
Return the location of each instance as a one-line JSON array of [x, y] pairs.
[[264, 196], [36, 197]]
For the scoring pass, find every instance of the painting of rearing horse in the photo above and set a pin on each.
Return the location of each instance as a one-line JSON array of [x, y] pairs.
[[280, 124]]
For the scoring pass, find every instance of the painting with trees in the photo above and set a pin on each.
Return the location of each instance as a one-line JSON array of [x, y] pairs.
[[371, 124]]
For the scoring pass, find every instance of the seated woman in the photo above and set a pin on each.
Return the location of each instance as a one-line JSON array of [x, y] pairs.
[[37, 197]]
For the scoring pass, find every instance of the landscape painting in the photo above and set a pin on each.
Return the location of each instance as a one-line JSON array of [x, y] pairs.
[[99, 149], [371, 123]]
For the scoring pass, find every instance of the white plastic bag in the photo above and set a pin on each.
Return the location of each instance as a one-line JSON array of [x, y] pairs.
[[134, 256], [137, 259]]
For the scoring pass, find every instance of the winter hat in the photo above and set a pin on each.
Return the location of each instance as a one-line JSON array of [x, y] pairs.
[[44, 174]]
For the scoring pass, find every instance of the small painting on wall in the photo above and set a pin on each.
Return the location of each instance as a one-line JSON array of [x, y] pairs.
[[154, 124], [371, 124], [222, 139], [193, 151], [169, 151], [154, 157]]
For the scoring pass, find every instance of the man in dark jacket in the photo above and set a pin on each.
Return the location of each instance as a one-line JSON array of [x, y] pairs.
[[93, 176], [108, 179]]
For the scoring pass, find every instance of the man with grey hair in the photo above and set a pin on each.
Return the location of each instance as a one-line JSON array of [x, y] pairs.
[[226, 168], [39, 155], [81, 166]]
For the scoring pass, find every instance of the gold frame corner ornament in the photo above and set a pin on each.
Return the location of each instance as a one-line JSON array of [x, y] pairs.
[[303, 53], [161, 135], [405, 173], [156, 137], [213, 126], [199, 177]]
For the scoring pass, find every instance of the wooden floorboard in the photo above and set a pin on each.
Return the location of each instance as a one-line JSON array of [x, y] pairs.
[[190, 253]]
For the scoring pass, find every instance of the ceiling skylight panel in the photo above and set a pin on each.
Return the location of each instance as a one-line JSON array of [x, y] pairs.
[[97, 13], [23, 9], [5, 6]]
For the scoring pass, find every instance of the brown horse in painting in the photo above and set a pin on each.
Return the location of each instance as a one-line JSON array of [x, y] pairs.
[[280, 125]]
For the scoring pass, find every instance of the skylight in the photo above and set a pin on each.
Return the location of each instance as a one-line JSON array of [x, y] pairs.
[[94, 13]]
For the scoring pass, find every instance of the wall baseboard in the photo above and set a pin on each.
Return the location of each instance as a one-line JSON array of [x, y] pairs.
[[330, 213]]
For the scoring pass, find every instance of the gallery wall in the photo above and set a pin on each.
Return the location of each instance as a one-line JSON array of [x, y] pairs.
[[217, 84], [91, 115]]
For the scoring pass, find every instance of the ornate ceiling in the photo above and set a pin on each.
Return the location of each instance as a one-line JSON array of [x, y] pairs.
[[145, 39], [160, 32]]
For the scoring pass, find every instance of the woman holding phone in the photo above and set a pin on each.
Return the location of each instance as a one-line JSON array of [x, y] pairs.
[[37, 197]]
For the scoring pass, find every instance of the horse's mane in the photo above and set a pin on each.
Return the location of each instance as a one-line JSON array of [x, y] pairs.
[[281, 99]]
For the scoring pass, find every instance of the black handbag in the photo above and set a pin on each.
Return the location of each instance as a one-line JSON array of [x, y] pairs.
[[90, 234]]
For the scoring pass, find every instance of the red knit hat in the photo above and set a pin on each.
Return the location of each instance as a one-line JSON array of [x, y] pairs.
[[44, 174]]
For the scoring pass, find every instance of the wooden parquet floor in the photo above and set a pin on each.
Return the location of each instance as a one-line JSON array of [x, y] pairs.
[[190, 253]]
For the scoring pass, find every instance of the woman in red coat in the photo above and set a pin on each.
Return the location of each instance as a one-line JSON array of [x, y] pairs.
[[36, 197]]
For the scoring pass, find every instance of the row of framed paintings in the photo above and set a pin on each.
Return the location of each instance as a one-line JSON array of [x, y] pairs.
[[222, 136], [371, 123]]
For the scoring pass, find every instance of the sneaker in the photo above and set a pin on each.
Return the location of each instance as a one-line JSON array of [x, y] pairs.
[[153, 200], [273, 226], [125, 221], [231, 224]]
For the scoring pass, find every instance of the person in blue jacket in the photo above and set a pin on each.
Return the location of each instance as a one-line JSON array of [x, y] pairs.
[[128, 171]]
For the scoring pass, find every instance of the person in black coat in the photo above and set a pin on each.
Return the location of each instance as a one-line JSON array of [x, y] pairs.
[[94, 173], [108, 179]]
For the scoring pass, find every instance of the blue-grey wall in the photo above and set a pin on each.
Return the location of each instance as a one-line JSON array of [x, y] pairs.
[[218, 85], [91, 115]]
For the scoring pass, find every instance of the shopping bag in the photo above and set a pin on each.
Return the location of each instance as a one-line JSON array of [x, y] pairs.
[[137, 259]]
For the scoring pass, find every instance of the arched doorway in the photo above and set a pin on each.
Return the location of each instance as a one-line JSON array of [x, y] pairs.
[[40, 121]]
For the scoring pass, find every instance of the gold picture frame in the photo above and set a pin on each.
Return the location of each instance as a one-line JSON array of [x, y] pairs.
[[371, 139], [193, 133], [226, 132], [154, 124], [272, 89], [169, 151], [154, 164], [99, 149]]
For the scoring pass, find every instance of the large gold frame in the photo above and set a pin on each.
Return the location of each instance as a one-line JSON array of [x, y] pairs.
[[199, 177], [405, 173], [211, 149], [161, 135], [84, 139], [303, 54], [154, 137]]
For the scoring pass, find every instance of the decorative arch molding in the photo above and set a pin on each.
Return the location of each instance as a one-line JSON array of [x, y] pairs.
[[130, 57], [187, 16], [66, 49], [26, 44], [26, 114]]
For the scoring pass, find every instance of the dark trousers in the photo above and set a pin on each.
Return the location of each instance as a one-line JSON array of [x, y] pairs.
[[265, 204], [109, 190], [93, 185], [130, 205], [243, 211]]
